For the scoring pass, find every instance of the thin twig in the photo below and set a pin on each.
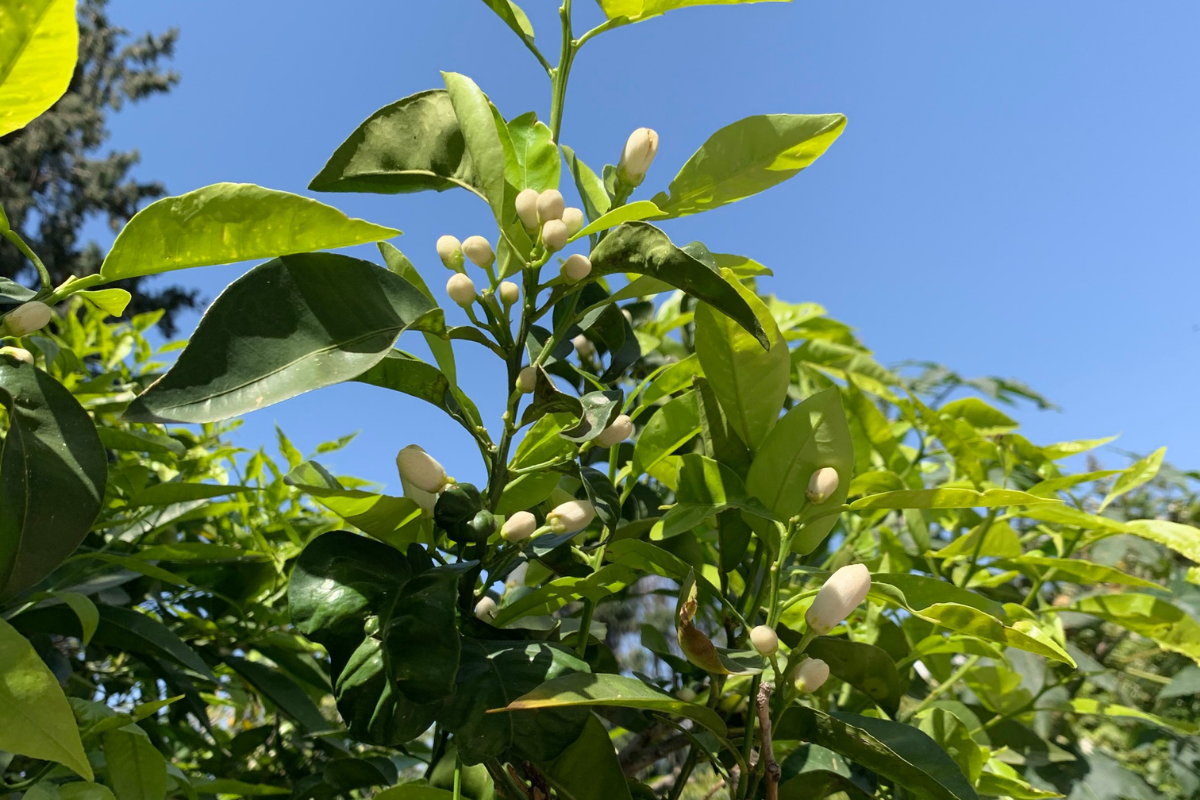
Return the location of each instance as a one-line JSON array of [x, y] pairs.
[[767, 750]]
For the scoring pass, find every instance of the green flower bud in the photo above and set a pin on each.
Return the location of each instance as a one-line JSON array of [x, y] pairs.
[[27, 318], [479, 250], [449, 250], [461, 289], [573, 218], [550, 205], [765, 640]]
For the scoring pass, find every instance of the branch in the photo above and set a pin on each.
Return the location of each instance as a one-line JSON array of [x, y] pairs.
[[768, 751]]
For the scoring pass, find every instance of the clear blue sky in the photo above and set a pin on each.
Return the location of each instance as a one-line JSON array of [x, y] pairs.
[[1016, 193]]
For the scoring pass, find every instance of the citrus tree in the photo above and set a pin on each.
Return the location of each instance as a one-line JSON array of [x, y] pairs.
[[874, 590]]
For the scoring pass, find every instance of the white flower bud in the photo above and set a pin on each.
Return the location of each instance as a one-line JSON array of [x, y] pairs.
[[686, 695], [584, 346], [765, 640], [510, 293], [461, 289], [571, 516], [27, 318], [555, 235], [426, 500], [485, 609], [18, 354], [822, 485], [637, 156], [420, 469], [840, 595], [550, 205], [518, 527], [449, 250], [576, 268], [527, 380], [620, 430], [573, 218], [517, 576], [811, 675], [479, 250], [527, 200]]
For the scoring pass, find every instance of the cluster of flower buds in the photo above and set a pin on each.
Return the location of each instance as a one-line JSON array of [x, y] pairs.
[[620, 430], [548, 211], [638, 155], [840, 595], [26, 318], [422, 476], [822, 485]]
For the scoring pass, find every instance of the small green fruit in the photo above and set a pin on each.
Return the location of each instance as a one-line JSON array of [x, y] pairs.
[[456, 510]]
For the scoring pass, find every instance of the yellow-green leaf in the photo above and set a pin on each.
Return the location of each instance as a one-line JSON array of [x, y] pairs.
[[948, 498], [641, 209], [229, 222], [638, 10], [113, 301], [39, 45]]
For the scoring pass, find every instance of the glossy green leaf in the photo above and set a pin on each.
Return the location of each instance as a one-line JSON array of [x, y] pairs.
[[414, 791], [165, 494], [133, 630], [949, 498], [35, 718], [750, 383], [672, 426], [412, 145], [480, 136], [812, 435], [1136, 475], [491, 676], [864, 666], [139, 441], [1022, 634], [1172, 628], [39, 45], [1072, 569], [240, 788], [899, 752], [443, 351], [282, 691], [993, 785], [136, 770], [596, 201], [229, 222], [638, 10], [538, 162], [401, 372], [637, 210], [286, 327], [588, 769], [705, 488], [85, 610], [985, 419], [1000, 541], [641, 248], [618, 691], [112, 301], [748, 157], [600, 409], [513, 17], [811, 772], [560, 592], [1100, 708], [53, 470], [542, 442]]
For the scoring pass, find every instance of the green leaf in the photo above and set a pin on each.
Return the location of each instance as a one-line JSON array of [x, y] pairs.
[[1001, 541], [282, 691], [986, 420], [35, 717], [993, 785], [412, 145], [618, 691], [443, 351], [136, 770], [899, 752], [949, 498], [1064, 449], [638, 10], [705, 488], [395, 520], [747, 157], [491, 676], [112, 301], [85, 610], [139, 441], [1136, 475], [596, 201], [750, 383], [165, 494], [240, 788], [1096, 707], [812, 772], [810, 436], [641, 248], [560, 592], [513, 17], [1075, 570], [229, 222], [1172, 628], [53, 471], [600, 409], [637, 210], [1022, 634], [542, 442], [672, 426], [588, 769], [414, 791], [864, 666], [286, 327], [538, 162], [133, 630], [39, 45], [478, 126], [401, 372]]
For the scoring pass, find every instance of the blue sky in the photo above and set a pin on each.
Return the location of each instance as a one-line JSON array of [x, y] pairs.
[[1016, 192]]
